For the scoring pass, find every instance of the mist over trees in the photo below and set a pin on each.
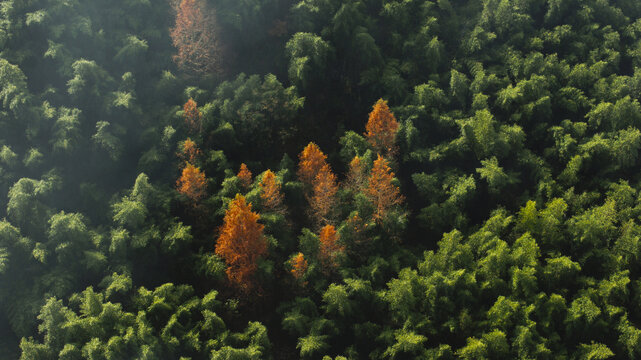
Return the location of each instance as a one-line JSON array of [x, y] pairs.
[[274, 179]]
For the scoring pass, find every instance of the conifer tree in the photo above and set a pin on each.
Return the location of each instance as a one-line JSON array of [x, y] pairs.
[[329, 248], [189, 151], [270, 193], [381, 191], [299, 266], [241, 243], [192, 183], [245, 176], [381, 128], [193, 116], [356, 174], [195, 36], [312, 160], [323, 196]]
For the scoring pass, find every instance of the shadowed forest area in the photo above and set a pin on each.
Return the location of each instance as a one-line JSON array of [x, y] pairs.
[[320, 179]]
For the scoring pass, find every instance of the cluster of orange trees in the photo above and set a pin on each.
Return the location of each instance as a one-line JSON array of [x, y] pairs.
[[241, 241]]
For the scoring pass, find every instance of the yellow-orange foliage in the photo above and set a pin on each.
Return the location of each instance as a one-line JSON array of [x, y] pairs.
[[356, 174], [299, 266], [241, 242], [195, 36], [245, 176], [189, 151], [192, 183], [270, 192], [311, 161], [381, 191], [323, 196], [193, 116], [381, 128], [329, 248]]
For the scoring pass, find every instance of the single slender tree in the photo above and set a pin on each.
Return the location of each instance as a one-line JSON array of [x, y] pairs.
[[356, 175], [323, 196], [299, 266], [329, 248], [190, 151], [312, 160], [193, 117], [192, 183], [270, 193], [381, 129], [381, 191], [241, 243], [196, 37], [245, 176]]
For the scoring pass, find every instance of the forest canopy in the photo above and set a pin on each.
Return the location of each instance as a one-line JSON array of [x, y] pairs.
[[320, 179]]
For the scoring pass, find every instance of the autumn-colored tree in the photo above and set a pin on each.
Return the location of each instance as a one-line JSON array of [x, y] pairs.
[[270, 193], [356, 175], [381, 128], [381, 191], [192, 183], [189, 151], [311, 161], [299, 266], [245, 176], [241, 243], [195, 36], [329, 248], [323, 196], [193, 117]]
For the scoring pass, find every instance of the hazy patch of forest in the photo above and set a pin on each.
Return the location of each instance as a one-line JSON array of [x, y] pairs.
[[320, 179]]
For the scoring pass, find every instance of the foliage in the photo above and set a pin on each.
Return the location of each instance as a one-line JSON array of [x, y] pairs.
[[241, 242]]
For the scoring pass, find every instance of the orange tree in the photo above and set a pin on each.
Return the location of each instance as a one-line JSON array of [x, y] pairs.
[[195, 36], [192, 183], [382, 192], [381, 128], [241, 242]]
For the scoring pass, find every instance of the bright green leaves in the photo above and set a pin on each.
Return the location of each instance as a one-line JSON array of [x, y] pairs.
[[308, 56]]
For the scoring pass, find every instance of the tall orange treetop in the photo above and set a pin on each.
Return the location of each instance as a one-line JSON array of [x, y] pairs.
[[193, 116], [192, 183], [311, 161], [323, 195], [270, 192], [245, 176], [299, 266], [241, 242], [195, 36], [329, 248], [381, 128], [189, 151], [381, 191]]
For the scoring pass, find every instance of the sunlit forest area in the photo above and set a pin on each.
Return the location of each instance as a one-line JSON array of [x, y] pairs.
[[320, 179]]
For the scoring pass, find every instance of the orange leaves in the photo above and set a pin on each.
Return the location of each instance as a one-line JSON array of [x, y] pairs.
[[270, 193], [189, 151], [323, 196], [195, 36], [329, 249], [356, 174], [381, 191], [311, 162], [299, 266], [241, 242], [192, 183], [315, 172], [193, 116], [245, 176], [381, 128]]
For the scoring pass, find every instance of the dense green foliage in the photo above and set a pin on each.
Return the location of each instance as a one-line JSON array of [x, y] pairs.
[[517, 154]]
